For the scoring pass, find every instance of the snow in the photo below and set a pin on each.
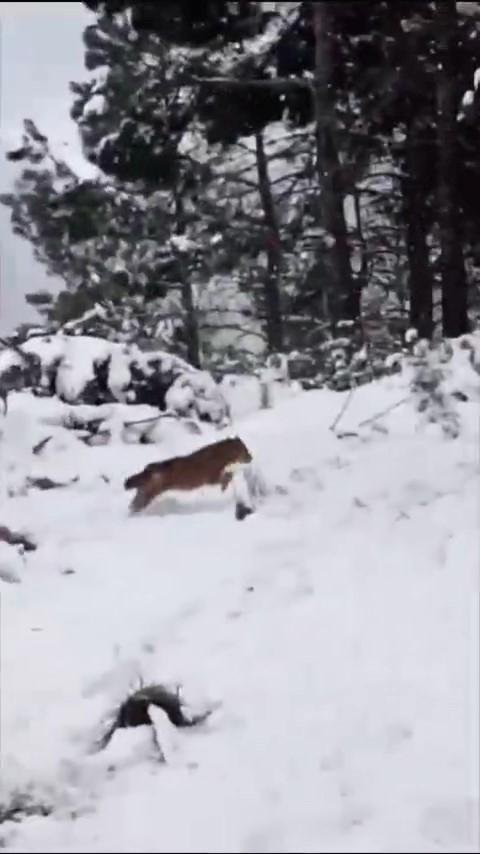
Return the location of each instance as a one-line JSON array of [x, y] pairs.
[[9, 359], [95, 105], [72, 362], [411, 335], [10, 564], [182, 243], [228, 317], [196, 389], [336, 628], [76, 368], [97, 311]]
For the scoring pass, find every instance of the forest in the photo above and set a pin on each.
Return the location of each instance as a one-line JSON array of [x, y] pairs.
[[270, 178]]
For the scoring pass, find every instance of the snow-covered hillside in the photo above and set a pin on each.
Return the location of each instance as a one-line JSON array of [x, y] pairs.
[[334, 632]]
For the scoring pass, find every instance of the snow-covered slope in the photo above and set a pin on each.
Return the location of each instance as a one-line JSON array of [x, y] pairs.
[[335, 631]]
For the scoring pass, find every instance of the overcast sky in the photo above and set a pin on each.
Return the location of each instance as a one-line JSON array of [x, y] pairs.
[[40, 52]]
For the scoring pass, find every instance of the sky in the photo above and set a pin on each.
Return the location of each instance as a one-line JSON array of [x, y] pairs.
[[41, 50]]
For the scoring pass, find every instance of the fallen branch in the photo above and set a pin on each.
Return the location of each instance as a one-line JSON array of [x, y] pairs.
[[149, 420], [188, 422], [152, 418], [383, 412], [345, 405], [38, 448]]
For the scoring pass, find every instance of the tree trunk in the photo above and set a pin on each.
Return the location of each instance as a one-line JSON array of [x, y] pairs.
[[346, 293], [363, 273], [421, 280], [191, 325], [274, 318], [453, 276], [191, 321]]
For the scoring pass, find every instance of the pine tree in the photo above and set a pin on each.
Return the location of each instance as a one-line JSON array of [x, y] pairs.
[[240, 76], [263, 172], [103, 243]]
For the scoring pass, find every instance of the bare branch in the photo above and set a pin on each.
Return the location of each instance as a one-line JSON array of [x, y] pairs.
[[383, 412], [232, 327], [343, 409], [189, 422], [281, 84]]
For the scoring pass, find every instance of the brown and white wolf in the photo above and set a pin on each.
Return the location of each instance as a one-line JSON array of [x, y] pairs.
[[212, 465]]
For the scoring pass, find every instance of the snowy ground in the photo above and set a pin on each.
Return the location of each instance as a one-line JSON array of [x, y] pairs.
[[337, 629]]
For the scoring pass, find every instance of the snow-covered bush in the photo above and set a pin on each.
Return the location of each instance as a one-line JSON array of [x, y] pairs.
[[433, 400], [351, 354], [17, 370], [82, 369], [196, 393]]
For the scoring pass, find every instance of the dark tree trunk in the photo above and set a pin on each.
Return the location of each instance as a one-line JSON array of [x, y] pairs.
[[362, 276], [191, 325], [416, 215], [192, 335], [346, 292], [274, 320], [452, 265]]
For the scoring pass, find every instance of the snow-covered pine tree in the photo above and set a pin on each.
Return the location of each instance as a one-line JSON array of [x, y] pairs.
[[232, 58], [202, 124], [147, 133], [97, 239]]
